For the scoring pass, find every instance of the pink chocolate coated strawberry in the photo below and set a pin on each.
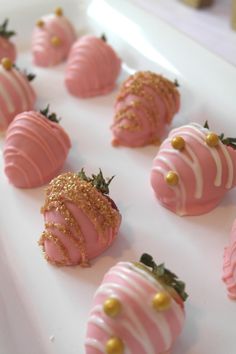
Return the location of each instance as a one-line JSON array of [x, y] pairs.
[[134, 310], [229, 265], [7, 48], [81, 221], [193, 170], [144, 107], [16, 93], [52, 38], [92, 67], [35, 149]]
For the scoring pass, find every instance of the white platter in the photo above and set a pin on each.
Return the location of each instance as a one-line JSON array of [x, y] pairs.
[[43, 309]]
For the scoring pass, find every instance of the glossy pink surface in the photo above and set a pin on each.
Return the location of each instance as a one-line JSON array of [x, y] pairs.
[[94, 244], [229, 265], [7, 49], [16, 95], [44, 52], [92, 68], [205, 173], [142, 329], [35, 150], [141, 117]]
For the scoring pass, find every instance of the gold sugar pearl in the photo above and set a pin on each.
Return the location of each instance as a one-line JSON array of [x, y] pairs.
[[6, 63], [114, 345], [161, 301], [112, 307], [172, 178], [212, 139], [40, 23], [55, 41], [58, 11], [178, 143]]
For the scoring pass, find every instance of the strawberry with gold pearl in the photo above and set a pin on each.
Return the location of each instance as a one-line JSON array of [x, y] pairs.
[[17, 94], [52, 39], [193, 169], [138, 308]]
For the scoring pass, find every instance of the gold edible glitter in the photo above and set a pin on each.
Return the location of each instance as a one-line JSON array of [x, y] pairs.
[[69, 189], [147, 85]]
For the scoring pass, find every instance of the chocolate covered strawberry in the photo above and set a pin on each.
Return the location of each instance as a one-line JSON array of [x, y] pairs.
[[92, 68], [138, 308], [81, 220], [35, 148], [193, 169], [7, 48], [16, 94], [145, 106], [52, 38]]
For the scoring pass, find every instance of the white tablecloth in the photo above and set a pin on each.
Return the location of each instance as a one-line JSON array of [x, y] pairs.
[[209, 26]]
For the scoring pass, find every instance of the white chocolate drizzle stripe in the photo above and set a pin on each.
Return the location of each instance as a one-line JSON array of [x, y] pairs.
[[122, 322], [178, 311], [108, 289], [200, 137], [91, 342], [159, 318], [194, 164]]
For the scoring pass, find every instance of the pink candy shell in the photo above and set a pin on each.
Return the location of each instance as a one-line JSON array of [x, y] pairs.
[[94, 246], [35, 150], [92, 68]]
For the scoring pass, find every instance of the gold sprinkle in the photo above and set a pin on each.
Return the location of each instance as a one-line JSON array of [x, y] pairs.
[[146, 85], [67, 189], [40, 23], [161, 301], [55, 41], [112, 307], [178, 143], [6, 63], [212, 139], [172, 178], [114, 345], [58, 11]]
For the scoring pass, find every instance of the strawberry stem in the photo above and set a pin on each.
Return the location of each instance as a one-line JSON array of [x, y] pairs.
[[98, 181], [29, 76], [164, 275], [4, 32], [176, 83], [51, 116], [103, 37]]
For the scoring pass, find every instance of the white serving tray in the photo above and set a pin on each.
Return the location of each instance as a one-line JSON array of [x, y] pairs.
[[43, 309]]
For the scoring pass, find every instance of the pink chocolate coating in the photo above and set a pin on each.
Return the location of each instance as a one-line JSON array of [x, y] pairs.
[[142, 329], [80, 222], [16, 95], [229, 265], [205, 173], [7, 49], [35, 150], [92, 68], [144, 107], [46, 54]]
